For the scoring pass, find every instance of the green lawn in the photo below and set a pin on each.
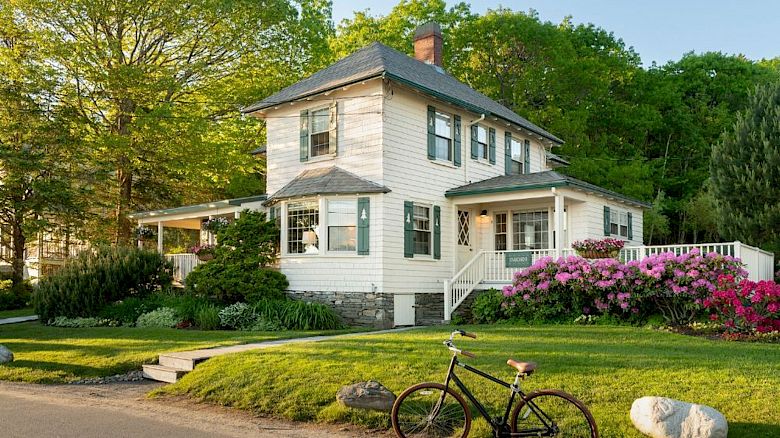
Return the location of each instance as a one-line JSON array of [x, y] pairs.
[[606, 367], [46, 354], [14, 313]]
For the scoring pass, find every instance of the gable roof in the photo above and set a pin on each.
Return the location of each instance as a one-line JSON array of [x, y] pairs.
[[378, 59], [537, 180], [326, 181]]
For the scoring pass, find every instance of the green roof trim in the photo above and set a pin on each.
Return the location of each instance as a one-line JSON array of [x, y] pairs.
[[224, 203]]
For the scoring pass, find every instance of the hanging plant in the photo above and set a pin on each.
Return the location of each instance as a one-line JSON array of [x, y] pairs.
[[215, 224], [598, 249], [143, 232]]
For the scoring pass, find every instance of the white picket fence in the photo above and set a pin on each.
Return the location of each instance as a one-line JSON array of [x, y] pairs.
[[183, 264], [489, 267]]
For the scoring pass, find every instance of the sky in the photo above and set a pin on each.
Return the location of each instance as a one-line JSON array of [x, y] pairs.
[[659, 30]]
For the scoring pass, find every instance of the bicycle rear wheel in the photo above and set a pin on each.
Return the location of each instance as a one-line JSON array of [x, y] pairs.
[[553, 413], [429, 410]]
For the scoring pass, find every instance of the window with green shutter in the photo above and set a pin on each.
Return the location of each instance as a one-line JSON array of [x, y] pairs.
[[436, 232], [456, 143], [507, 153], [408, 229], [492, 146]]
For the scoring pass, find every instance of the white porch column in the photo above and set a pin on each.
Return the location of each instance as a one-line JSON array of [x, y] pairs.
[[237, 215], [160, 237], [558, 223], [209, 234]]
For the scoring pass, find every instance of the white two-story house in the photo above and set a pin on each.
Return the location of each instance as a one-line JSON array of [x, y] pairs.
[[399, 189]]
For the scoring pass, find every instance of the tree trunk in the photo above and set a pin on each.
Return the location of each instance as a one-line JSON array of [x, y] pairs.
[[19, 240], [124, 175]]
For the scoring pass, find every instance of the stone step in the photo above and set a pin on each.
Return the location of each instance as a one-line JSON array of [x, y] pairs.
[[163, 373], [173, 361]]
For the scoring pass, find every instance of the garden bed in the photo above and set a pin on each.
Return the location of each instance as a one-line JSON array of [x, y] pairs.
[[605, 366]]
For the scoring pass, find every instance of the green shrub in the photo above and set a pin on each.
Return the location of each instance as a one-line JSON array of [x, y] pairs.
[[63, 321], [12, 298], [128, 310], [87, 284], [280, 315], [239, 270], [301, 315], [238, 316], [487, 307], [207, 317], [161, 318]]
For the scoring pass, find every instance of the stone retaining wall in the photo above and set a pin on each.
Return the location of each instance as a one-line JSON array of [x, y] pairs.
[[355, 308]]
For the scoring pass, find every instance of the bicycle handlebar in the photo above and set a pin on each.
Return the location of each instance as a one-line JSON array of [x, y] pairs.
[[469, 335], [451, 346]]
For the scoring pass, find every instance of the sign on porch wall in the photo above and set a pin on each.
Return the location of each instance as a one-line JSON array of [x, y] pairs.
[[518, 259]]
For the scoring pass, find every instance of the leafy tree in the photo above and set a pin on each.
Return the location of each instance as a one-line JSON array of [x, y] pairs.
[[745, 171], [37, 159]]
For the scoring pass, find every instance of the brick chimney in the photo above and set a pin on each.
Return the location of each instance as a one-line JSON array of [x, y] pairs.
[[428, 43]]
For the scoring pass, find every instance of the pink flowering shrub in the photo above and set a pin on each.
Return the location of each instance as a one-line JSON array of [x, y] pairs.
[[598, 245], [745, 307], [673, 285]]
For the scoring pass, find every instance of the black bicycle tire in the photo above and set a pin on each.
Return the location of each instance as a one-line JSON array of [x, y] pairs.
[[570, 398], [439, 386]]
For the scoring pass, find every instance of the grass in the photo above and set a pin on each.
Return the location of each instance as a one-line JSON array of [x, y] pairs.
[[606, 367], [46, 354], [18, 312]]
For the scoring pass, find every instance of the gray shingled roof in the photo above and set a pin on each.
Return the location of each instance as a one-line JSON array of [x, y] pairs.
[[326, 181], [258, 151], [377, 59], [538, 180]]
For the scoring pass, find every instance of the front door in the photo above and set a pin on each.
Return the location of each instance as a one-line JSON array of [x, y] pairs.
[[465, 237]]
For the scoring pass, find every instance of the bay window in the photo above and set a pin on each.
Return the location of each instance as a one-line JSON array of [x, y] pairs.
[[342, 227], [303, 220]]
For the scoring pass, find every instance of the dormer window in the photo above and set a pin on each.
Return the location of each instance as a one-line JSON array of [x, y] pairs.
[[443, 132], [320, 132]]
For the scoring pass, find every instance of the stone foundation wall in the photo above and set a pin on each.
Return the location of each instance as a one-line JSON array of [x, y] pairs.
[[428, 309], [354, 308]]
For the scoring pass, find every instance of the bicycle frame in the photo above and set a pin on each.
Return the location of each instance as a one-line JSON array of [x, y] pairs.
[[499, 425]]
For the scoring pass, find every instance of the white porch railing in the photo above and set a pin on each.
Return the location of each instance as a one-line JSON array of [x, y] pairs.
[[183, 264], [489, 267]]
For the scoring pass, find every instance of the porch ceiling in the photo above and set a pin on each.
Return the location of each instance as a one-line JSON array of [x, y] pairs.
[[215, 208]]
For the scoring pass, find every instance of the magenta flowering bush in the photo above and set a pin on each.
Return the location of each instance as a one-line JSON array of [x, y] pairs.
[[607, 245], [673, 285], [745, 307]]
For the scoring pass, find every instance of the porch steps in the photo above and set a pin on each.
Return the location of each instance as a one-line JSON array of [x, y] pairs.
[[172, 366]]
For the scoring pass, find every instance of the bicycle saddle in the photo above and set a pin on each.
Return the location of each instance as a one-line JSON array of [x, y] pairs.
[[522, 367]]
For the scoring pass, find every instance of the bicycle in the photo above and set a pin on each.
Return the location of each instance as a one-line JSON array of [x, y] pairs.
[[435, 410]]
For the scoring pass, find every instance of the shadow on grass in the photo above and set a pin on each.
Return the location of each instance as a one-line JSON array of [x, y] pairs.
[[754, 430], [79, 370]]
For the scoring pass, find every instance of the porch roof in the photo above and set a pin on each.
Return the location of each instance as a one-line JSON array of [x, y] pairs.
[[224, 203], [538, 180], [325, 181]]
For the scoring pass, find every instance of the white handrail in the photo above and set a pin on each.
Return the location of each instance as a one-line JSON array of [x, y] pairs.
[[460, 286], [183, 264]]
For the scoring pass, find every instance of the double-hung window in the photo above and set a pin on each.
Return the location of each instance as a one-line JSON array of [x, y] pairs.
[[443, 131], [482, 142], [530, 230], [422, 230], [303, 219], [319, 135], [500, 232], [342, 226], [517, 157], [618, 223]]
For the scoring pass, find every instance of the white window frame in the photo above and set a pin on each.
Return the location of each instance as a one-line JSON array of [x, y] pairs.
[[437, 135], [486, 144], [545, 243], [507, 230], [325, 108], [286, 229], [415, 254], [325, 225], [517, 159], [618, 218]]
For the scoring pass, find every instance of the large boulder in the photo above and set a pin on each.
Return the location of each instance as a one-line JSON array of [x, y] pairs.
[[366, 395], [6, 355], [661, 417]]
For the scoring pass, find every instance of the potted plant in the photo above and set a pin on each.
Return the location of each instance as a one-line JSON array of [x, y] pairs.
[[598, 248], [203, 252], [215, 224], [144, 233]]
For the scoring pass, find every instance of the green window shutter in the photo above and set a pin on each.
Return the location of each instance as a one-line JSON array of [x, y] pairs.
[[408, 229], [333, 128], [474, 145], [630, 226], [456, 143], [527, 157], [606, 221], [436, 232], [363, 220], [431, 133], [507, 153], [305, 135], [492, 145]]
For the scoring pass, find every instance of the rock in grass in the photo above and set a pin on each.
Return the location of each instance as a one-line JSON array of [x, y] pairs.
[[366, 395], [661, 417], [6, 355]]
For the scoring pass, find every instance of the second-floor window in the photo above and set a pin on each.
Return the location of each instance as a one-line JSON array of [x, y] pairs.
[[443, 131], [482, 142], [319, 136], [517, 157]]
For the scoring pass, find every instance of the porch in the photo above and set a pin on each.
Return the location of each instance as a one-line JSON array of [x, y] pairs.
[[178, 229], [492, 269]]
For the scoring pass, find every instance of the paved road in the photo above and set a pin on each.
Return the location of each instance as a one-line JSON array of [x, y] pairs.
[[121, 410]]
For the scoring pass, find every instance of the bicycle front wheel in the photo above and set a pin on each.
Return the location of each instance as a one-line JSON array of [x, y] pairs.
[[430, 410], [553, 413]]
